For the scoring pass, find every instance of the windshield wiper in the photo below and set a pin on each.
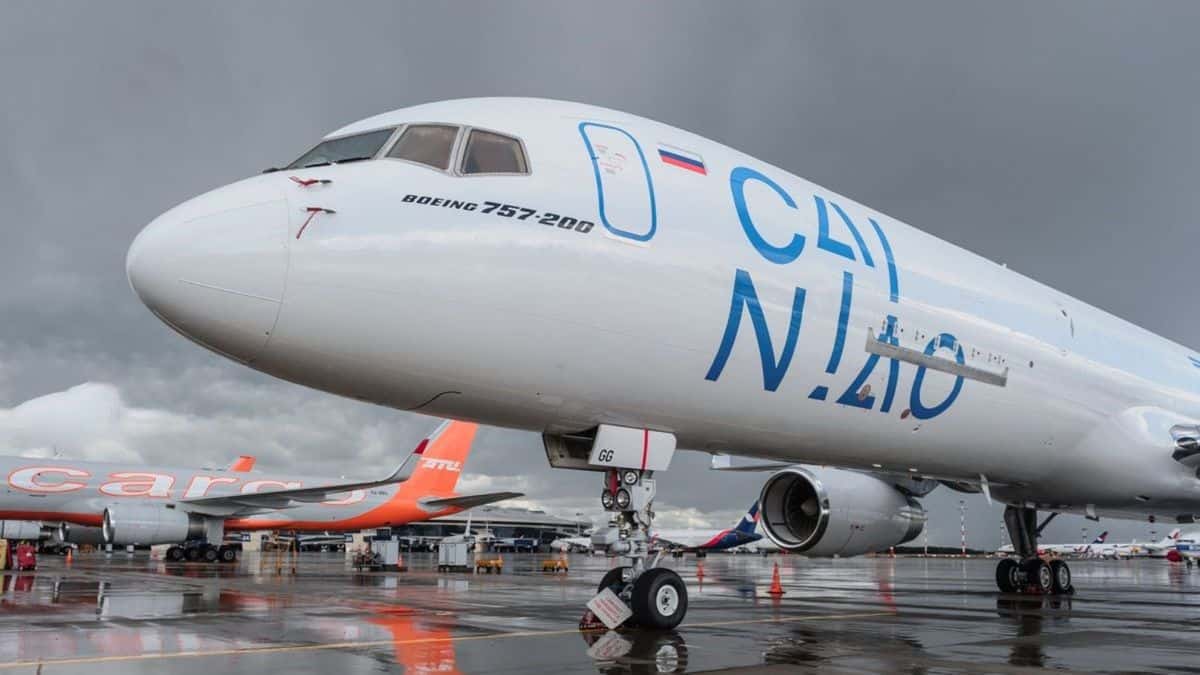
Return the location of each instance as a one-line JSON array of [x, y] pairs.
[[353, 159], [309, 166]]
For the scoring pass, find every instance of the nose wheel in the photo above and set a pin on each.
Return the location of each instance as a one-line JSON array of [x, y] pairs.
[[659, 599]]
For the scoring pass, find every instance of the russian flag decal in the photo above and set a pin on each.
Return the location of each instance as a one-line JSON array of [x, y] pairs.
[[682, 159]]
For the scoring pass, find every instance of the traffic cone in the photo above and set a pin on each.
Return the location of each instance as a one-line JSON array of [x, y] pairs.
[[700, 570], [70, 557], [776, 585]]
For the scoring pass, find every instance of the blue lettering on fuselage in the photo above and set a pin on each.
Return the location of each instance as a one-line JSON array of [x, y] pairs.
[[745, 295], [919, 410], [780, 255]]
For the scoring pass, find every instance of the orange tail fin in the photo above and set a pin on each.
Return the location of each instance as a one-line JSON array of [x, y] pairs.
[[442, 460]]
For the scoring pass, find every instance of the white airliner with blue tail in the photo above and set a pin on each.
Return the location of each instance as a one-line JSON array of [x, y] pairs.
[[693, 540], [626, 288]]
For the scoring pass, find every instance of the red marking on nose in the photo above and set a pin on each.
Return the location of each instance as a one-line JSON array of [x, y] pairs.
[[312, 213], [307, 182]]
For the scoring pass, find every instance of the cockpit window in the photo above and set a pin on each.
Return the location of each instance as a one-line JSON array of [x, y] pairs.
[[344, 149], [487, 152], [428, 144]]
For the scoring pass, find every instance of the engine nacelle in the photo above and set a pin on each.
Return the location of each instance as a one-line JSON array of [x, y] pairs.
[[149, 524], [80, 534], [24, 529], [825, 512]]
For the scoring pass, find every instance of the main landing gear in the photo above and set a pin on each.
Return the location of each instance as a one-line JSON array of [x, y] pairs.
[[1029, 572], [199, 551], [657, 596]]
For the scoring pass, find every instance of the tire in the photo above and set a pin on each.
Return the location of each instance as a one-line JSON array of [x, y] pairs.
[[209, 554], [1007, 576], [1062, 577], [192, 553], [612, 579], [227, 554], [660, 599], [1038, 575], [175, 554]]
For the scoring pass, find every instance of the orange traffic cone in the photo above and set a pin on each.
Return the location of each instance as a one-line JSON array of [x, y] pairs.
[[776, 586], [700, 570], [70, 557]]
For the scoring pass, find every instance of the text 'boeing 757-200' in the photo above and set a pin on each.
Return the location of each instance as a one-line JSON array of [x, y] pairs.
[[625, 288]]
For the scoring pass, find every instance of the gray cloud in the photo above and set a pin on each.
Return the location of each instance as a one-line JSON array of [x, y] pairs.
[[1060, 138]]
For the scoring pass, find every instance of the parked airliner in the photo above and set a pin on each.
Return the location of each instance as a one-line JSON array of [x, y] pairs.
[[694, 540], [624, 288], [90, 502], [1061, 549]]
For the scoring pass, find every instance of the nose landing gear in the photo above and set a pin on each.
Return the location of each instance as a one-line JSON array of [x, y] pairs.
[[657, 596], [627, 457], [1031, 573]]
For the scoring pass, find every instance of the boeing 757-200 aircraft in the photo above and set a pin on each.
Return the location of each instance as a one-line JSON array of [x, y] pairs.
[[624, 288], [89, 502]]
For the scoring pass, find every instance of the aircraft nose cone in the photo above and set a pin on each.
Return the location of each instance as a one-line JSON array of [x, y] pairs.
[[214, 268]]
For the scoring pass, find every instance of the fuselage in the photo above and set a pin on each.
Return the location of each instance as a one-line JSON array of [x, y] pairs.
[[706, 540], [640, 275], [78, 492]]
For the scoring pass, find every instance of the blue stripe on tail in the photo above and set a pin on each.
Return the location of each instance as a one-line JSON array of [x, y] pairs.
[[749, 522]]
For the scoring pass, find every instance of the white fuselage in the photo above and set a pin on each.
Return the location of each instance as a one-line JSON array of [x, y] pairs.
[[713, 305]]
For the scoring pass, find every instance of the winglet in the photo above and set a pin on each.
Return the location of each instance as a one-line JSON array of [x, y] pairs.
[[410, 463], [242, 464]]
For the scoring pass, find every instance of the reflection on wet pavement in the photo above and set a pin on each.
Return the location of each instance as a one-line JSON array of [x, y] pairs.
[[130, 614]]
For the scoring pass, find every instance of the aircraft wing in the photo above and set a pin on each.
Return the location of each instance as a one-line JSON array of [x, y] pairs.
[[679, 540], [468, 501], [283, 498], [721, 462]]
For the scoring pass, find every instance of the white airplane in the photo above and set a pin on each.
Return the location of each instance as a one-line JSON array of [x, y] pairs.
[[1187, 548], [624, 288], [572, 544], [1063, 549], [1136, 549], [702, 541]]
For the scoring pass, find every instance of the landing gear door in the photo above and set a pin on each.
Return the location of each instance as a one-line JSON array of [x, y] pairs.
[[629, 448]]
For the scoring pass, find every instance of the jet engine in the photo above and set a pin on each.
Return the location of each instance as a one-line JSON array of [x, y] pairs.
[[825, 512], [148, 524], [80, 534], [24, 529]]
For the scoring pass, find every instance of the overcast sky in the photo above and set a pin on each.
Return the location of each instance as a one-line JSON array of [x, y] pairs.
[[1062, 138]]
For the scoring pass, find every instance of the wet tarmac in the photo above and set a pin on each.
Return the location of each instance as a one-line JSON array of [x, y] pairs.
[[133, 614]]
